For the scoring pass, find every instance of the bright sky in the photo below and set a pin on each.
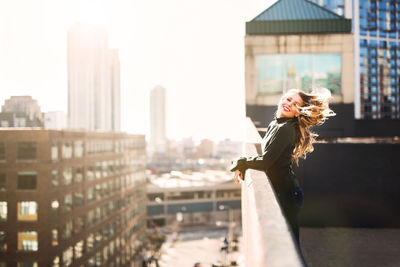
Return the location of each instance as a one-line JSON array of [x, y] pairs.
[[195, 49]]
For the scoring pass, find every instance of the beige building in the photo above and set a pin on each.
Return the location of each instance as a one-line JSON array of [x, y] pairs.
[[197, 198], [298, 44], [306, 44], [71, 198]]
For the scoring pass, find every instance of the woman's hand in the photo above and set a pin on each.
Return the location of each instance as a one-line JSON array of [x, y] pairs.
[[238, 177]]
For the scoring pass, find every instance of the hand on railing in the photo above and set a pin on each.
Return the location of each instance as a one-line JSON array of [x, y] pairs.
[[238, 166], [238, 177]]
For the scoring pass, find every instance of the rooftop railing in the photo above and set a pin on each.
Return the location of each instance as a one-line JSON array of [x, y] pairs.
[[268, 240]]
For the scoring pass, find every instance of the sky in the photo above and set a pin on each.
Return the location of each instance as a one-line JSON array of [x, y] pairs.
[[194, 49]]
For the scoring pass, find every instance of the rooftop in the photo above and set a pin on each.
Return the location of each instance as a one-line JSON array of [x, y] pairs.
[[297, 17], [176, 179]]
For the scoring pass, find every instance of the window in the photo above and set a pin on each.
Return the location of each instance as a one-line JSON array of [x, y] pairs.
[[79, 249], [90, 173], [56, 262], [78, 149], [26, 150], [3, 182], [68, 203], [79, 224], [54, 237], [78, 199], [2, 151], [3, 210], [67, 150], [28, 241], [3, 241], [67, 229], [27, 264], [27, 211], [54, 151], [90, 194], [26, 181], [67, 256], [67, 174], [90, 242], [54, 178], [78, 175], [54, 207], [277, 73]]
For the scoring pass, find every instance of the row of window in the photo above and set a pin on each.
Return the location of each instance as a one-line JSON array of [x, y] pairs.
[[108, 252], [159, 197], [28, 240], [99, 170], [76, 149], [69, 149], [21, 264], [28, 210], [28, 180], [105, 211]]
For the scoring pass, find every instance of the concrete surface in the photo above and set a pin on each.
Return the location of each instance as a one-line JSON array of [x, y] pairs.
[[350, 247]]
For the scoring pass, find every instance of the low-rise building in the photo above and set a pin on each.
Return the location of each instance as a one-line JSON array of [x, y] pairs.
[[196, 198]]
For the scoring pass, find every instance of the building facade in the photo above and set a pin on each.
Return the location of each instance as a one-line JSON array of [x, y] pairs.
[[55, 120], [70, 198], [199, 198], [158, 135], [376, 31], [93, 79], [21, 111], [297, 43]]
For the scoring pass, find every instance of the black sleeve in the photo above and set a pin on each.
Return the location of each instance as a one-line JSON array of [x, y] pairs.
[[283, 137]]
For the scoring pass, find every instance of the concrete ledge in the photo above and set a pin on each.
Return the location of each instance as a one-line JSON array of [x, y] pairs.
[[268, 240]]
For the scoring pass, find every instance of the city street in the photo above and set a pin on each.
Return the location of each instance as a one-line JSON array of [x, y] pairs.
[[197, 245]]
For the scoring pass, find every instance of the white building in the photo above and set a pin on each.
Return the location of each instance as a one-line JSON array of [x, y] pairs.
[[93, 79], [55, 120], [158, 137]]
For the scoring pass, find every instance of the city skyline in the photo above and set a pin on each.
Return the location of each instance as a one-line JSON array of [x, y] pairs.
[[199, 61]]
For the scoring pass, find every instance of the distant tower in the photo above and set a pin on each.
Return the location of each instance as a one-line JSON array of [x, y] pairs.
[[157, 120], [93, 79], [21, 111]]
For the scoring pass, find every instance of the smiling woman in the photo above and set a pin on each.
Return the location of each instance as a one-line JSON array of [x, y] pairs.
[[287, 139]]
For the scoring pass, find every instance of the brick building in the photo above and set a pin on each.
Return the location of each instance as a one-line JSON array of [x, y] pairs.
[[71, 198]]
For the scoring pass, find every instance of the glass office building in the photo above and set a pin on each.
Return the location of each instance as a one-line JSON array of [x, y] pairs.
[[376, 28]]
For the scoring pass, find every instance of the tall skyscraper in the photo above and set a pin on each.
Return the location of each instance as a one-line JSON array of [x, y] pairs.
[[376, 31], [93, 79], [157, 120]]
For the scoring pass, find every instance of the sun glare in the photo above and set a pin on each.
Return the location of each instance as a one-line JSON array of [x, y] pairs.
[[92, 11]]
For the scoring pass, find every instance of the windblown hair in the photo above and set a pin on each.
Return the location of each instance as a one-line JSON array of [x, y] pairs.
[[314, 111]]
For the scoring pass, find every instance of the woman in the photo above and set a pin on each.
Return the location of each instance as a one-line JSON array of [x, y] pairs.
[[287, 139]]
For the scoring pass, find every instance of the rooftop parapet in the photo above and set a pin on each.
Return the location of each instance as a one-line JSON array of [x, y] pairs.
[[268, 240]]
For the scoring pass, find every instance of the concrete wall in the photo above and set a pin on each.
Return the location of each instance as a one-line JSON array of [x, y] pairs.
[[342, 125], [268, 240], [351, 185]]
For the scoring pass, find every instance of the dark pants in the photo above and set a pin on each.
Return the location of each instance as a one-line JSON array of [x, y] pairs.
[[291, 203]]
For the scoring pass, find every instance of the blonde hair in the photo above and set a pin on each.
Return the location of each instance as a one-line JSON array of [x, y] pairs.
[[314, 111]]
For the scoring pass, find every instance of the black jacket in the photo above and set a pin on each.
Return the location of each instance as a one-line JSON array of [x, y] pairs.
[[276, 159]]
